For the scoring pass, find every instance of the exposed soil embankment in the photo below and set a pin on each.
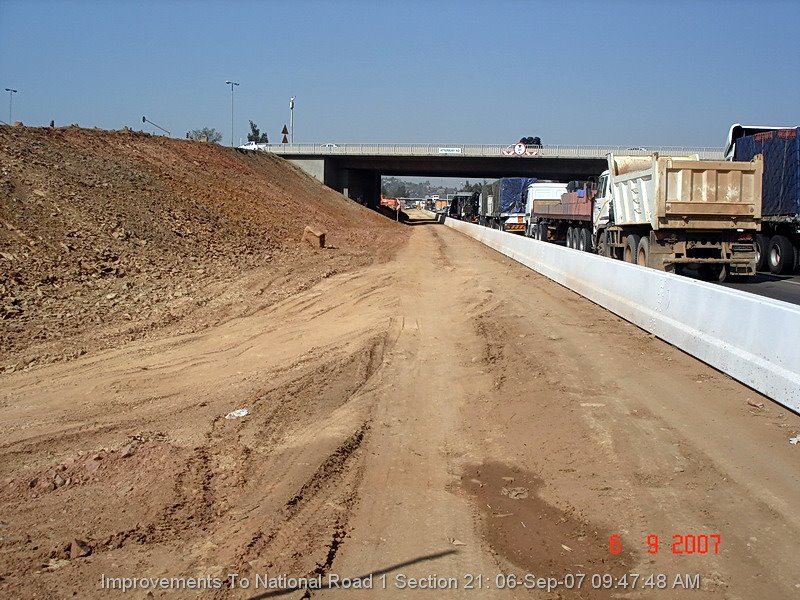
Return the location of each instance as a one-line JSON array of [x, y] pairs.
[[111, 236]]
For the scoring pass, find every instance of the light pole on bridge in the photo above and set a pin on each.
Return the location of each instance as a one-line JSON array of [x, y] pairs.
[[291, 120]]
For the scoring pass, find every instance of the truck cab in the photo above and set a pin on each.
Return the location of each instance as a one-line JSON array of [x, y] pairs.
[[602, 204]]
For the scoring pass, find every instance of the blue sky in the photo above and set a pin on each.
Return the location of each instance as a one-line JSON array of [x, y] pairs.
[[618, 72]]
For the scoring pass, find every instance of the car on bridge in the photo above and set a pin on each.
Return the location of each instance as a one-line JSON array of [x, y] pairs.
[[253, 146]]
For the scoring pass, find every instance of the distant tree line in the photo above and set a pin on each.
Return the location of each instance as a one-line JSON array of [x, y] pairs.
[[394, 187]]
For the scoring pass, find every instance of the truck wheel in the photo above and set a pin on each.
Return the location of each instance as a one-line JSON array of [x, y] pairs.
[[603, 249], [570, 237], [762, 252], [781, 255], [643, 252], [586, 240], [631, 248]]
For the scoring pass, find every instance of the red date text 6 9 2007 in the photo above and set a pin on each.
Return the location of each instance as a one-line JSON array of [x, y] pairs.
[[701, 543]]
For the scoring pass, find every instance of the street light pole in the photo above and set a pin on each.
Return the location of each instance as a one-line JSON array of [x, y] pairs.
[[231, 83], [10, 103], [146, 120], [291, 120]]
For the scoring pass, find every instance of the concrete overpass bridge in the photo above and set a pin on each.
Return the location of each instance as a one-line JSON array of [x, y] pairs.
[[355, 170]]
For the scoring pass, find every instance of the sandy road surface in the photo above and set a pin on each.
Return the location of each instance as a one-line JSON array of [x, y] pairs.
[[448, 412]]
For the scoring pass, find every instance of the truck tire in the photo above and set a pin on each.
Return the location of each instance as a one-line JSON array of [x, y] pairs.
[[643, 252], [585, 243], [631, 248], [570, 237], [781, 255], [602, 244], [762, 251]]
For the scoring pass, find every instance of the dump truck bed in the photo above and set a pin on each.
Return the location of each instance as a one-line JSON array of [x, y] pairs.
[[686, 193]]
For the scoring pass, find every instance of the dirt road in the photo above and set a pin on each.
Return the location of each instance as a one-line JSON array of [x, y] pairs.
[[446, 413]]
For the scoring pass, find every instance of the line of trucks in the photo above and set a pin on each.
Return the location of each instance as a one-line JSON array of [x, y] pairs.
[[725, 218]]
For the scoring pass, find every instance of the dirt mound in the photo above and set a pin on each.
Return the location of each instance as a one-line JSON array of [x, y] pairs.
[[109, 236]]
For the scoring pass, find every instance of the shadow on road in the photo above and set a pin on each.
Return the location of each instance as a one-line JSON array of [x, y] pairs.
[[379, 572], [422, 222], [766, 277]]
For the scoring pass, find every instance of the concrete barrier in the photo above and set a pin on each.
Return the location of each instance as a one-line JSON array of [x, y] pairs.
[[751, 338]]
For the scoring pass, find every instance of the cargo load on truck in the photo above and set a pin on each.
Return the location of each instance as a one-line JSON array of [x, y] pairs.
[[778, 243], [571, 212], [503, 204]]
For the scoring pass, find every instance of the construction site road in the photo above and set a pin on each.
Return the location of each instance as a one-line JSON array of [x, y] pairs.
[[447, 423]]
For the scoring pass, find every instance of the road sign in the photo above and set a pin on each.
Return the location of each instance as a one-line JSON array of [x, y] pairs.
[[285, 130], [519, 149], [285, 139]]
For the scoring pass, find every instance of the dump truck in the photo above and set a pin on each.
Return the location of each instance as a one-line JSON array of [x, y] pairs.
[[778, 243], [668, 213], [674, 212], [503, 204]]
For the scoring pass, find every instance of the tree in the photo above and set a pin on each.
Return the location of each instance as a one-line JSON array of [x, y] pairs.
[[206, 134], [255, 135]]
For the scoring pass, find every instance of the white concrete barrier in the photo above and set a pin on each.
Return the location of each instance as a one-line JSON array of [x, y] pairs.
[[751, 338]]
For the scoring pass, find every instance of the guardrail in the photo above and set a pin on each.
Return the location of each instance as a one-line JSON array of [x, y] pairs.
[[486, 151], [751, 338]]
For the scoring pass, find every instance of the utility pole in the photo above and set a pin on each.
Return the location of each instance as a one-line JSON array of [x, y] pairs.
[[10, 103], [231, 83], [291, 120]]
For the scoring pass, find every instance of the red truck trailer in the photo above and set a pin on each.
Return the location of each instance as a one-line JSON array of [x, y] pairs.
[[569, 220]]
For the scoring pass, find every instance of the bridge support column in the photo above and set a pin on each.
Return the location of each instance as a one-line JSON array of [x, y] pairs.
[[361, 185]]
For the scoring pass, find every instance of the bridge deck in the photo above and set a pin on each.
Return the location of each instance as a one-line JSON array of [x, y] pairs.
[[482, 150]]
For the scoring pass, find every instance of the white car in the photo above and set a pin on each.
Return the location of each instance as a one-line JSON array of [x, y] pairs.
[[253, 146], [328, 145]]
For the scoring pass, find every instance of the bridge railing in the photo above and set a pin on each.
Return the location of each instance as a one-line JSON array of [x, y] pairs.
[[483, 150]]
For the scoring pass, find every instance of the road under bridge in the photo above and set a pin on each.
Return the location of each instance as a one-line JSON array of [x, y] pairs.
[[355, 170]]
